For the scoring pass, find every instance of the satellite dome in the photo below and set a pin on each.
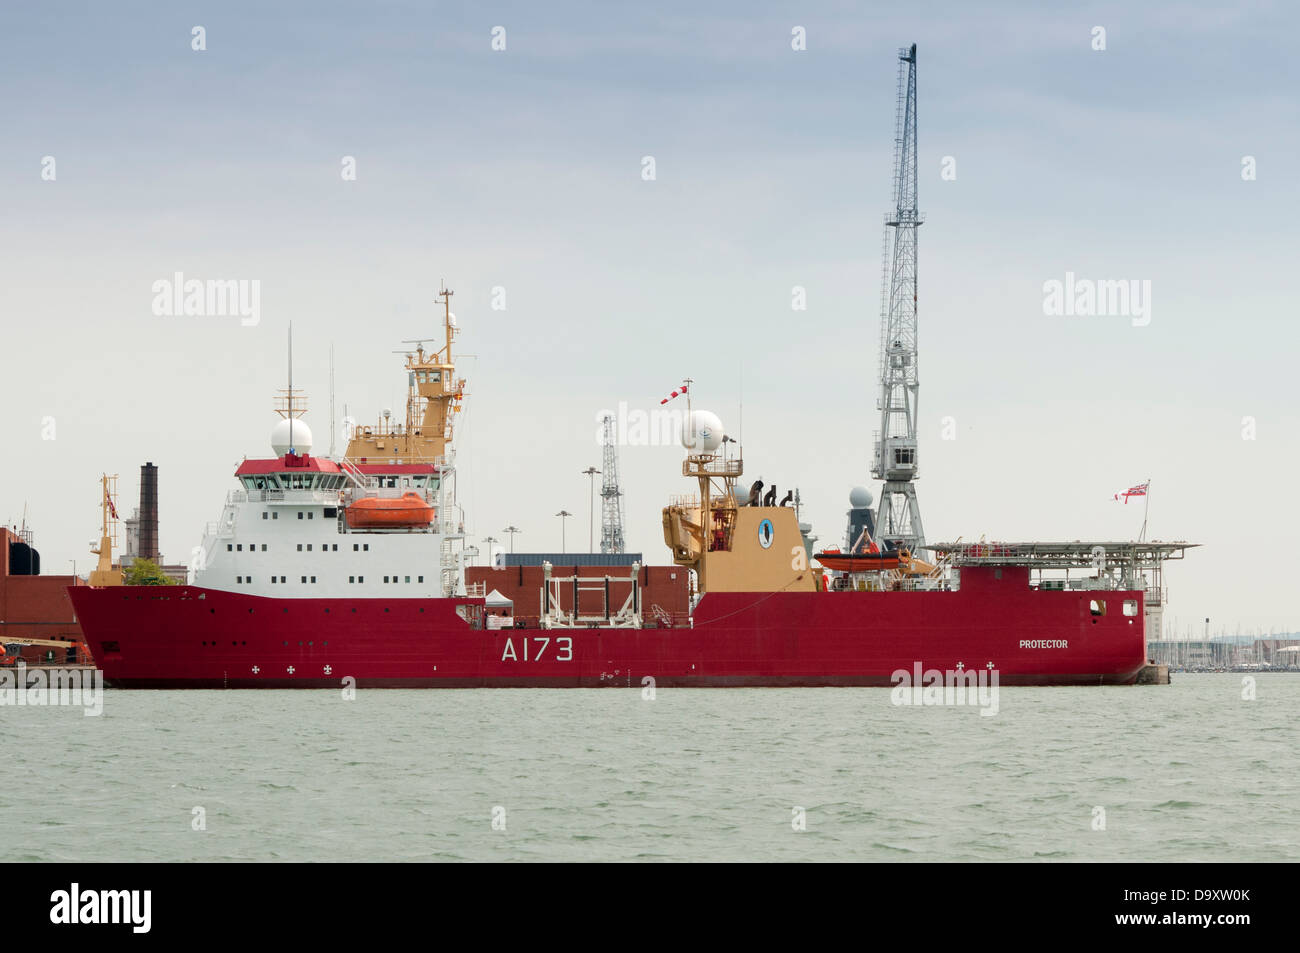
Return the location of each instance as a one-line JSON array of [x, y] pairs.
[[859, 497], [301, 437], [703, 432]]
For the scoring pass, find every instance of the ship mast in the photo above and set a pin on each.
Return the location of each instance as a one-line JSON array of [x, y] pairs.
[[290, 406], [104, 574], [434, 398], [898, 520]]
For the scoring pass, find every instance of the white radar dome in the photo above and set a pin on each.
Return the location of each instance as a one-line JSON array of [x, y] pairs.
[[703, 432], [859, 497], [301, 437]]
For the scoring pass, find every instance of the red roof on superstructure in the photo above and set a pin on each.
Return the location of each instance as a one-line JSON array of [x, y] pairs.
[[309, 464], [287, 464]]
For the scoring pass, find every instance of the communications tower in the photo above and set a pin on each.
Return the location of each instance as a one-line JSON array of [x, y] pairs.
[[898, 519], [611, 497]]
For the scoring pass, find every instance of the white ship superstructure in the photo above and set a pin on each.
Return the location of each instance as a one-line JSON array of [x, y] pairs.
[[382, 520]]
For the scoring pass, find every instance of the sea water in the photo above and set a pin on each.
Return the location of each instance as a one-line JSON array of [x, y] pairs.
[[1193, 771]]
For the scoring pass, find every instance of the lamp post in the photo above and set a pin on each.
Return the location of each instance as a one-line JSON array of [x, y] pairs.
[[591, 509], [512, 530], [489, 540], [563, 515]]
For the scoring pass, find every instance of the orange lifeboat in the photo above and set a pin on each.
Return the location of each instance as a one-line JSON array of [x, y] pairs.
[[858, 562], [372, 512]]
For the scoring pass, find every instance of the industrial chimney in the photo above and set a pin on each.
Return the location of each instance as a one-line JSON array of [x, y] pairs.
[[149, 512]]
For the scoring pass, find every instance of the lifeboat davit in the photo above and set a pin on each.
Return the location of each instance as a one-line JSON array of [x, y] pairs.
[[372, 512]]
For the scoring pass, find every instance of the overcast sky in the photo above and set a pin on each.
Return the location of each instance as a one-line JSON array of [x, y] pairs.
[[522, 169]]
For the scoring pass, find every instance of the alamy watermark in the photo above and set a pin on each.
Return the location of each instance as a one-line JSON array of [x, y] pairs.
[[43, 687], [960, 686], [643, 428], [1086, 297], [98, 907], [181, 297]]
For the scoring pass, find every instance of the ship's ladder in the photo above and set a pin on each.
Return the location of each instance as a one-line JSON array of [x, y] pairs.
[[450, 567]]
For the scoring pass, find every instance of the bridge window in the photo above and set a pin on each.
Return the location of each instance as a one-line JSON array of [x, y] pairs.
[[1130, 607], [1097, 606]]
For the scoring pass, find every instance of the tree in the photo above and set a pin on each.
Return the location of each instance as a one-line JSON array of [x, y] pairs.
[[146, 572]]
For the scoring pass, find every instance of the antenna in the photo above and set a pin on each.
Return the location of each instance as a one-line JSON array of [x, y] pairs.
[[740, 424], [292, 449]]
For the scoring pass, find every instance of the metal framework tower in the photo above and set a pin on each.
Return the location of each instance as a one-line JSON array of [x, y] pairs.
[[611, 507], [898, 519]]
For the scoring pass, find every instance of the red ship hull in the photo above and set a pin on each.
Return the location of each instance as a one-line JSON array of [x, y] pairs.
[[187, 637]]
